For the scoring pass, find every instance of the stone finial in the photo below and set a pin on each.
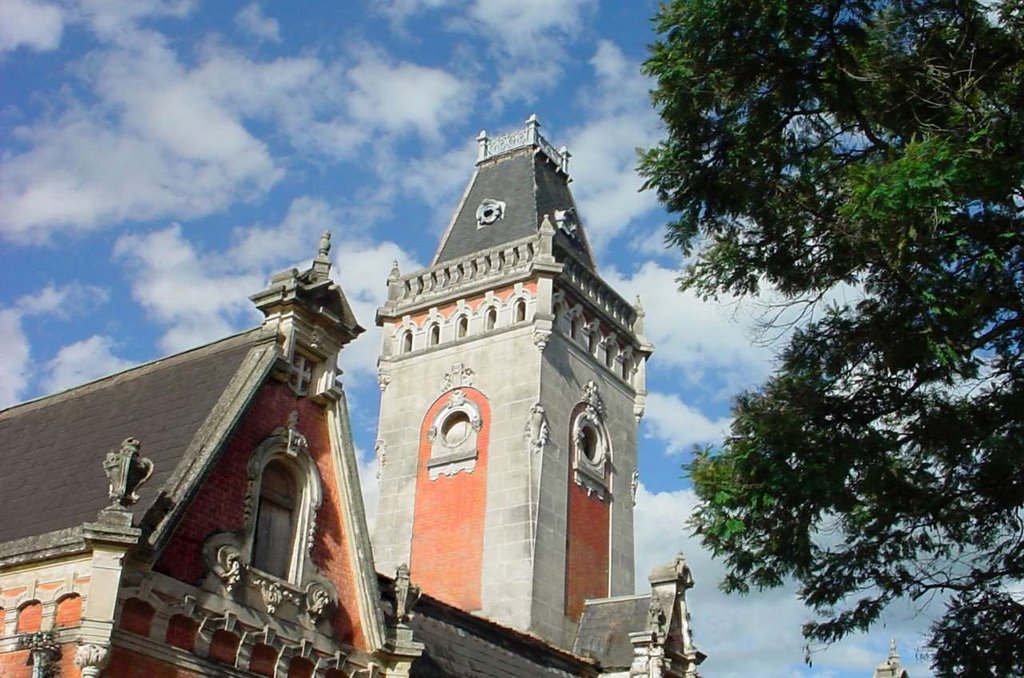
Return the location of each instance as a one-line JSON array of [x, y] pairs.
[[481, 144], [324, 248], [406, 594], [126, 471], [322, 263], [395, 273]]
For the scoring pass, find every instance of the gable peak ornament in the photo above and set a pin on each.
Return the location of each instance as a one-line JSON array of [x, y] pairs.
[[406, 594], [127, 472]]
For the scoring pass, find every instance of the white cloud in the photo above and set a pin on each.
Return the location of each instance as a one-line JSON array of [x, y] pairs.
[[14, 359], [680, 426], [604, 148], [36, 25], [82, 361], [696, 337], [744, 634], [403, 98], [200, 295], [253, 20], [526, 38]]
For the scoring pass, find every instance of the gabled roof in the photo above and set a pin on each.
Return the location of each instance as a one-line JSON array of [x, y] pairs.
[[54, 447], [521, 177]]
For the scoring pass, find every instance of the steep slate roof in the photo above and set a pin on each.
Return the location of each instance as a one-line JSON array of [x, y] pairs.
[[459, 644], [605, 627], [529, 181], [53, 448]]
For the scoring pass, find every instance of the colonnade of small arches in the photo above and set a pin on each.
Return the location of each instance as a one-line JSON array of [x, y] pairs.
[[33, 615], [463, 321], [589, 334], [253, 650]]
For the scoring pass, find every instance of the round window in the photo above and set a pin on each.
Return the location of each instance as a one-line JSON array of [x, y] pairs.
[[455, 429]]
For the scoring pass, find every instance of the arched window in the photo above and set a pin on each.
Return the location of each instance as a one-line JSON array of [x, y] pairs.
[[574, 327], [491, 319], [435, 334], [520, 311], [592, 340], [625, 368], [462, 329], [611, 348], [275, 521], [406, 341]]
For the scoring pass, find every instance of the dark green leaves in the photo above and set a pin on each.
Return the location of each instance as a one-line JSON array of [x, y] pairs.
[[879, 145]]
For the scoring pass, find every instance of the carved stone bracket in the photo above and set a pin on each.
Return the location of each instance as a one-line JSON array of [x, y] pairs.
[[537, 432], [406, 594], [127, 472], [92, 659]]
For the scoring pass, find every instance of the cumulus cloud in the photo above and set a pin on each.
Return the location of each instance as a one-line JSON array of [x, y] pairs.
[[680, 426], [35, 25], [14, 360], [252, 20], [16, 368], [696, 338], [604, 148], [200, 294], [82, 361], [744, 634], [526, 38], [162, 135]]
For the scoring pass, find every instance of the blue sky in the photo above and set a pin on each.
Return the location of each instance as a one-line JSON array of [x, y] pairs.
[[159, 159]]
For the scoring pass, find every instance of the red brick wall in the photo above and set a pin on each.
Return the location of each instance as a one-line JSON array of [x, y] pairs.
[[127, 664], [136, 616], [69, 611], [219, 505], [588, 527], [15, 664], [448, 520], [30, 617]]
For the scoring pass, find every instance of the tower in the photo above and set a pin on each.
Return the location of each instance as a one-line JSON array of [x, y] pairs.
[[512, 382]]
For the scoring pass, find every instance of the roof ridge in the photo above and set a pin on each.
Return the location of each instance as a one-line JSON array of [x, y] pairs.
[[196, 352]]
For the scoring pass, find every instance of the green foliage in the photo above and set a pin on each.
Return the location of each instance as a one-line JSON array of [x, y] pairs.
[[876, 146]]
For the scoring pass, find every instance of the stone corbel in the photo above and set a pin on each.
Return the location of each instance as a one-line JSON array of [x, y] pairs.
[[91, 659]]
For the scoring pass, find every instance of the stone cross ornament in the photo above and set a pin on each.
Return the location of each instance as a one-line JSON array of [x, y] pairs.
[[126, 471]]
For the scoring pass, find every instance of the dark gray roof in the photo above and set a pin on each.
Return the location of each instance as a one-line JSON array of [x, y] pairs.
[[529, 184], [52, 449], [605, 627], [459, 644]]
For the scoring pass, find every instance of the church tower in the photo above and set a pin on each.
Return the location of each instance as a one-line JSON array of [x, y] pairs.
[[512, 383]]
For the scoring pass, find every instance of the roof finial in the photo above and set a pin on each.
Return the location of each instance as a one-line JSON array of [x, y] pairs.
[[894, 655], [481, 145], [395, 273], [325, 244]]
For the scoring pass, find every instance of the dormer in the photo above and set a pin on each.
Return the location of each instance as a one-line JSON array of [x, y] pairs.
[[312, 320]]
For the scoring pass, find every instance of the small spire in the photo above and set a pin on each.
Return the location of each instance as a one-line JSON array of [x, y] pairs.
[[894, 655], [481, 145], [639, 307], [395, 273]]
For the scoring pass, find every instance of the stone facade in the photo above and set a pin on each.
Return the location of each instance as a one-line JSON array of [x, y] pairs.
[[558, 358]]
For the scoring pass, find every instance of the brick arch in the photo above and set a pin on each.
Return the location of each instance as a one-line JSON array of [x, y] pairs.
[[181, 632], [30, 616], [224, 647], [263, 659], [300, 667], [69, 611], [3, 621], [136, 616], [448, 519]]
